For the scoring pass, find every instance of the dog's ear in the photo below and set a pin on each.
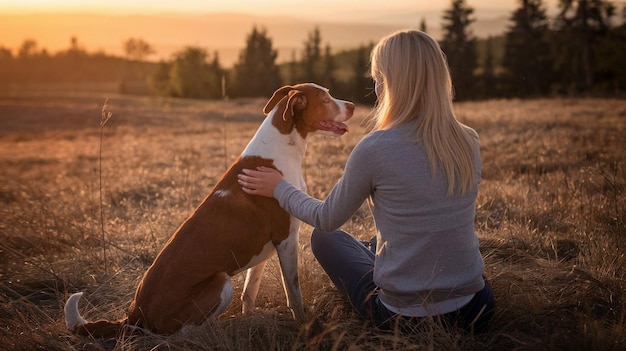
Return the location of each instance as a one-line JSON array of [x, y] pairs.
[[296, 101], [279, 94]]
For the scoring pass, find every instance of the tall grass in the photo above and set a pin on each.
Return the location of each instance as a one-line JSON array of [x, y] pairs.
[[550, 219], [104, 118]]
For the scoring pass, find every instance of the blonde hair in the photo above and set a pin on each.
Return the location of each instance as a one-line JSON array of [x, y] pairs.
[[413, 83]]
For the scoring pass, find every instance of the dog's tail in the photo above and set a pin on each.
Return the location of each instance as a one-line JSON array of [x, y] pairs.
[[78, 325]]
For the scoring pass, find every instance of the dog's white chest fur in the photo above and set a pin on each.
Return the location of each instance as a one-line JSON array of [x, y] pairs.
[[285, 150]]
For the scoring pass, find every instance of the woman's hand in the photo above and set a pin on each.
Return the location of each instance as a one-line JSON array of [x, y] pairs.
[[261, 181]]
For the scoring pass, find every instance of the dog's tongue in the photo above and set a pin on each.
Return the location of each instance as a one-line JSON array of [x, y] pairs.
[[335, 127]]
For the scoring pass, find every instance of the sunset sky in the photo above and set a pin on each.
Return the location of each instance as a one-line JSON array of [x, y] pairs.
[[305, 8], [169, 25]]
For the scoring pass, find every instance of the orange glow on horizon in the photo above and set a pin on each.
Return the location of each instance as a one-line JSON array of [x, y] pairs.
[[171, 25]]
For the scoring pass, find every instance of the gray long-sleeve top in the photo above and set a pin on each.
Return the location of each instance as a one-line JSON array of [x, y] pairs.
[[427, 248]]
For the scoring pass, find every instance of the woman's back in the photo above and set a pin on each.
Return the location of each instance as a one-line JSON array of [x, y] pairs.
[[426, 239]]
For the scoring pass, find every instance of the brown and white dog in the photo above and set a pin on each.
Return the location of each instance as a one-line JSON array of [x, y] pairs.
[[231, 231]]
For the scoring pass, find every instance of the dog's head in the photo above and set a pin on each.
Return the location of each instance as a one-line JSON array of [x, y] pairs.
[[308, 108]]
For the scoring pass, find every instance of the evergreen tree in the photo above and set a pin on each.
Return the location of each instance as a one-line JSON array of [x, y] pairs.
[[580, 25], [611, 54], [363, 84], [218, 74], [459, 45], [256, 72], [527, 55], [311, 59], [328, 75], [488, 76], [423, 27], [294, 75]]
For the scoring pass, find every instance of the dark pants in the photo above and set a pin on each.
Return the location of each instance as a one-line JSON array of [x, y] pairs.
[[350, 266]]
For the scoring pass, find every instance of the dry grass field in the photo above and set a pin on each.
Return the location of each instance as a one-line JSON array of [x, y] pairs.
[[551, 220]]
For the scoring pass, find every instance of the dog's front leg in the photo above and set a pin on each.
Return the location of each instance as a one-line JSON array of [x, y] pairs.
[[288, 258], [251, 287]]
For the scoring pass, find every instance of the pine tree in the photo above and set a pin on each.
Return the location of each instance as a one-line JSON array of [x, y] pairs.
[[256, 72], [328, 75], [363, 84], [294, 72], [580, 24], [527, 55], [488, 76], [423, 26], [459, 45], [311, 59], [219, 74], [611, 56]]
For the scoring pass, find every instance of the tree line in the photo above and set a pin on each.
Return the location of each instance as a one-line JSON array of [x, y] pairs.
[[577, 52], [581, 51]]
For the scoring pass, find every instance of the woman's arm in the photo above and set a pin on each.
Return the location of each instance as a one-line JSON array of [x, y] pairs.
[[342, 202]]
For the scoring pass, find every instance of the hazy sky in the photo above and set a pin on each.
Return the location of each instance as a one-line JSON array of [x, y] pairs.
[[330, 9], [47, 22]]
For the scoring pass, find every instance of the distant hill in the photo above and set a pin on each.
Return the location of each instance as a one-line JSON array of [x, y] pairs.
[[225, 32]]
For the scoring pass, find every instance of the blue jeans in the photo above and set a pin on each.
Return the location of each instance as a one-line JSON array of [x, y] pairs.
[[350, 266]]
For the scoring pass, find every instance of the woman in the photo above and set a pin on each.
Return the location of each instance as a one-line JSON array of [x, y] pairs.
[[421, 168]]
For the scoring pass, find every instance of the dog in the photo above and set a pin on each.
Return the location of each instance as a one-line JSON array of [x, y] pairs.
[[189, 281]]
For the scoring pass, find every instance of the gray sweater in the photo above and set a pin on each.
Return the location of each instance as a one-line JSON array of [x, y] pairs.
[[427, 248]]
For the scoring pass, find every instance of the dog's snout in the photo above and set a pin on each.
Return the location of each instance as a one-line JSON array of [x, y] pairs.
[[350, 107]]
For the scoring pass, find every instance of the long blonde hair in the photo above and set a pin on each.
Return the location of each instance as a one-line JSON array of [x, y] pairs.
[[413, 83]]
